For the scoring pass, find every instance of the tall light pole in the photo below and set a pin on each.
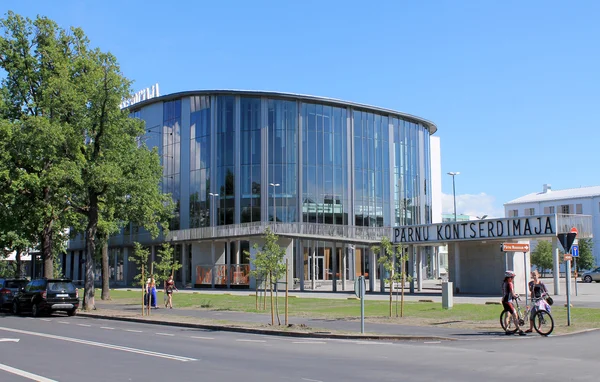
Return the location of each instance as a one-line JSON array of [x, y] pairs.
[[274, 208], [453, 174], [212, 198]]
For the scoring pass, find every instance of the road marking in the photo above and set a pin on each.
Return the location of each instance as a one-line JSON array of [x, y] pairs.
[[102, 345], [309, 342], [63, 322], [107, 328], [46, 319], [251, 341], [432, 342], [9, 340], [164, 334], [202, 338], [311, 380], [25, 374], [86, 325], [133, 331]]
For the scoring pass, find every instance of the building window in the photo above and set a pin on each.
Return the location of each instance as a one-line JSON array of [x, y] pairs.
[[578, 209], [564, 209], [549, 210], [513, 213], [529, 211]]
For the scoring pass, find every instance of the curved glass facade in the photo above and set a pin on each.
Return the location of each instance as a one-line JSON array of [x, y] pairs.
[[286, 159]]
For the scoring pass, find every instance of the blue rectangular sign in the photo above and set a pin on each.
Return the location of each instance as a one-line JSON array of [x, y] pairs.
[[575, 250]]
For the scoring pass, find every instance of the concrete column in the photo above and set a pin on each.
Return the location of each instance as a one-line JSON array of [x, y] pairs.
[[556, 265], [411, 268], [237, 253], [334, 267], [300, 262], [344, 262], [183, 262], [228, 271], [382, 278], [313, 268], [212, 257], [436, 253], [456, 268], [419, 268], [372, 268]]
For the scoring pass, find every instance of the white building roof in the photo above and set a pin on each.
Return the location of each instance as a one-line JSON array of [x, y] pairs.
[[550, 195]]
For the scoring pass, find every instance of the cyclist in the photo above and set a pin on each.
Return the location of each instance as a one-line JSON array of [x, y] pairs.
[[508, 295], [537, 289]]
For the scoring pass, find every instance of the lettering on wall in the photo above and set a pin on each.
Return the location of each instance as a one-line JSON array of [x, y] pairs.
[[477, 229], [142, 95]]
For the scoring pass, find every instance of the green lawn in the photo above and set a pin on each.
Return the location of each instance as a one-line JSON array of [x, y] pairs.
[[415, 313]]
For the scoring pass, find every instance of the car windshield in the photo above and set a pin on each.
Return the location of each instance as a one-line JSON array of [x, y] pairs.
[[59, 286], [15, 283]]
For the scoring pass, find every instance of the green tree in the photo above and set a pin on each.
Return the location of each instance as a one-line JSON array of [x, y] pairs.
[[167, 265], [586, 255], [388, 257], [268, 263], [541, 256], [140, 257]]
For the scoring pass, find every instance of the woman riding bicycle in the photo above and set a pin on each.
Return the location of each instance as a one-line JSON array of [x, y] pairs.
[[508, 295], [538, 290]]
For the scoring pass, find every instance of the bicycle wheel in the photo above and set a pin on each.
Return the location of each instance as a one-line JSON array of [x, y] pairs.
[[507, 322], [543, 322]]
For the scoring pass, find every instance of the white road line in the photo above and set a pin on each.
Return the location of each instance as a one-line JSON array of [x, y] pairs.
[[164, 334], [311, 380], [432, 342], [25, 374], [45, 319], [103, 345], [86, 325], [107, 328], [251, 341], [133, 331], [309, 342], [202, 338], [63, 322]]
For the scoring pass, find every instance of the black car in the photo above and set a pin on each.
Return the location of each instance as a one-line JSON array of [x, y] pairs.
[[46, 296], [8, 289]]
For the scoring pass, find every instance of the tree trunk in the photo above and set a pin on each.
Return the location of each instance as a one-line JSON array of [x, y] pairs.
[[272, 307], [105, 271], [47, 254], [18, 261], [391, 292], [92, 226]]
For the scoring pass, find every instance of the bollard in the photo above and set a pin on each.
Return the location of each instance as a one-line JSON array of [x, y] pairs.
[[447, 295]]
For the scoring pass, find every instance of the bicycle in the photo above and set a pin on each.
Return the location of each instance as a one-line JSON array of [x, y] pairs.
[[543, 322]]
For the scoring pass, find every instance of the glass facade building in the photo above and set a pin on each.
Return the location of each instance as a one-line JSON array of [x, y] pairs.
[[324, 174]]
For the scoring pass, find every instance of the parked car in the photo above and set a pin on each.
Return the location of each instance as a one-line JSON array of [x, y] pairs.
[[8, 289], [46, 296], [593, 275]]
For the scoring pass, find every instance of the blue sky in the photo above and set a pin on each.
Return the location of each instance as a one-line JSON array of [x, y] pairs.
[[513, 86]]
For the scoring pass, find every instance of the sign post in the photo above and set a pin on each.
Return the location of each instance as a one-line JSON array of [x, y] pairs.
[[518, 247], [566, 240], [575, 254], [359, 290]]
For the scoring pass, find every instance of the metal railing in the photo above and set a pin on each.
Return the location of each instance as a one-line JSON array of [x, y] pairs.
[[583, 223]]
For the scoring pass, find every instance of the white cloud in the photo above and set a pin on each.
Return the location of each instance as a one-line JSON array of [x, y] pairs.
[[472, 205]]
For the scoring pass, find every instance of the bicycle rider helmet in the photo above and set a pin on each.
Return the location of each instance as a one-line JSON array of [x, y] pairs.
[[509, 274]]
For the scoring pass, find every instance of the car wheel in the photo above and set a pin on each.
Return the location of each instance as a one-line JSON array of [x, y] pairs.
[[35, 310], [15, 308], [72, 312], [587, 279]]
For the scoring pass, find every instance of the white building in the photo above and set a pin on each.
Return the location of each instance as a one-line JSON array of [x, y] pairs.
[[578, 201]]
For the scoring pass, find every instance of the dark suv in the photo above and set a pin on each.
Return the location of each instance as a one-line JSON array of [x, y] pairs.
[[47, 296], [9, 288]]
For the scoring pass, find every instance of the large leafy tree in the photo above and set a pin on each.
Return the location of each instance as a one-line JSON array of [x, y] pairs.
[[586, 256], [541, 256], [77, 155]]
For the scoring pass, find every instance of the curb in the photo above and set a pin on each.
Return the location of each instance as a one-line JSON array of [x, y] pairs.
[[241, 329]]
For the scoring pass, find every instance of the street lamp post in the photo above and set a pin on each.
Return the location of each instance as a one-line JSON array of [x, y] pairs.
[[274, 208], [453, 174], [213, 196]]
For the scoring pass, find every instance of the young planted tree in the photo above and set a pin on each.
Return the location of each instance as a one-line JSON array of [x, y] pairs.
[[389, 258], [269, 263], [167, 265], [541, 256], [140, 257]]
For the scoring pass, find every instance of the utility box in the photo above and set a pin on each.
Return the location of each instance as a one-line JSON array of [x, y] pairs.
[[447, 295]]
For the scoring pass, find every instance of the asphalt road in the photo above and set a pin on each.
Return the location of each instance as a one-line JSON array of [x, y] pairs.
[[60, 348]]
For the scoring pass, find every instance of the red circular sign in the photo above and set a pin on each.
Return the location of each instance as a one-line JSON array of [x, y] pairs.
[[574, 230]]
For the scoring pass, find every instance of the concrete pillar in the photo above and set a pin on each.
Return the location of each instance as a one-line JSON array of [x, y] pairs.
[[419, 268], [372, 269], [228, 271], [334, 267], [300, 262], [184, 260], [436, 253], [456, 268], [212, 257], [237, 253], [556, 265], [313, 268], [344, 262], [411, 268]]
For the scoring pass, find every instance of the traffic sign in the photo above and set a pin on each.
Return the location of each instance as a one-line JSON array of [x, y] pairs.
[[568, 256], [575, 250], [514, 247], [566, 239], [574, 230]]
